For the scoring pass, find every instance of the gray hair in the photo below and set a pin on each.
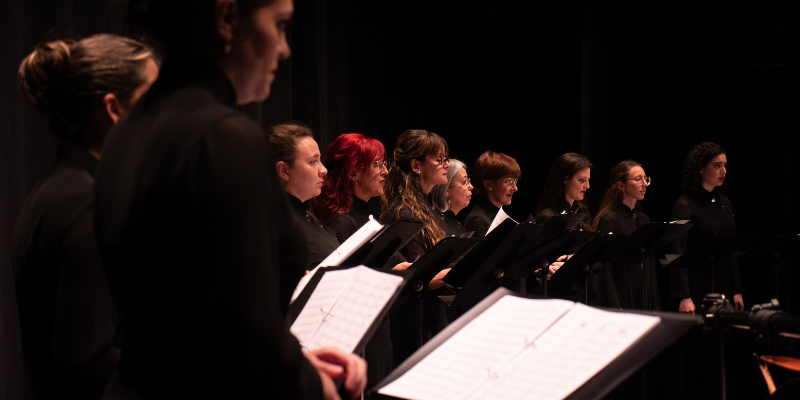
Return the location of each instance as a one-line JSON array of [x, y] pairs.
[[439, 192]]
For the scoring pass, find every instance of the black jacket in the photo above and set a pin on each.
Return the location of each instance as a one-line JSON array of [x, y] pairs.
[[200, 246]]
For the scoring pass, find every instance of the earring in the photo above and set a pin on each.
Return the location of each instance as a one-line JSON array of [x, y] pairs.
[[356, 182], [417, 171], [227, 49]]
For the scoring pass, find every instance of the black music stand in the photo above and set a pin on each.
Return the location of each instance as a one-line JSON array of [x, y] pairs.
[[471, 277], [377, 251], [446, 252], [775, 248]]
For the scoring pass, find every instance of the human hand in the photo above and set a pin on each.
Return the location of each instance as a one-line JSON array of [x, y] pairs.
[[686, 306], [437, 281], [402, 266], [554, 267], [332, 363], [738, 302]]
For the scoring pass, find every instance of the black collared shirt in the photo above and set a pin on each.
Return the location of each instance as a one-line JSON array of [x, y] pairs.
[[320, 239]]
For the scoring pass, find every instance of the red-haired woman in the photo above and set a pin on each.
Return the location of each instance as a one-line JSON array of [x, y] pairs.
[[356, 173]]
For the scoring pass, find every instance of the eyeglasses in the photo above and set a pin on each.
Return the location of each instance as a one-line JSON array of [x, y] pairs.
[[380, 163], [511, 181], [641, 180], [466, 182], [439, 160]]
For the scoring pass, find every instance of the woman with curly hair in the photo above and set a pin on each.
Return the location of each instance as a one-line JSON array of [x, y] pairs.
[[709, 212], [356, 173], [421, 163], [631, 286], [565, 188]]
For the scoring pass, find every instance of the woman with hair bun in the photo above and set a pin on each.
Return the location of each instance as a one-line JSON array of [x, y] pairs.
[[565, 188], [709, 212], [356, 173], [67, 317], [452, 197], [496, 176], [301, 173], [630, 286]]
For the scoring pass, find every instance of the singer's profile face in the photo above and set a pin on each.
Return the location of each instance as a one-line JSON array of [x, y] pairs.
[[259, 43], [576, 187]]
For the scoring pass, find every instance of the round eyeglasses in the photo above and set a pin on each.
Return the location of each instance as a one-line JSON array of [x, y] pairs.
[[380, 164], [439, 160], [511, 181], [641, 180]]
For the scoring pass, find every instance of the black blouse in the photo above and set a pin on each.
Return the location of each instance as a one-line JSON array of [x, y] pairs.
[[346, 224], [67, 317], [708, 213], [480, 218], [321, 240], [451, 225], [199, 244], [632, 286]]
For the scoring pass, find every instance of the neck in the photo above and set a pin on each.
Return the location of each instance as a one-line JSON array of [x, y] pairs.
[[426, 188], [570, 201], [708, 187], [494, 202], [629, 201], [455, 210]]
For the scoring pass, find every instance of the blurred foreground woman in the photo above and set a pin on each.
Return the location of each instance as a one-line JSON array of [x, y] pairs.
[[67, 318], [196, 234]]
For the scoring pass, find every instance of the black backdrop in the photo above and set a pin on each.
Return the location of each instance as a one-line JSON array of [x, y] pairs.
[[529, 79]]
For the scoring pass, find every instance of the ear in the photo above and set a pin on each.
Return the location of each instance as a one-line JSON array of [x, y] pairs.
[[226, 13], [354, 175], [112, 107], [489, 185], [415, 165], [620, 186], [283, 170], [447, 193]]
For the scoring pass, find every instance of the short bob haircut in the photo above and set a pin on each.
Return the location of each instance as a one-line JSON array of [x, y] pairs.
[[699, 156], [439, 192], [344, 156], [492, 166]]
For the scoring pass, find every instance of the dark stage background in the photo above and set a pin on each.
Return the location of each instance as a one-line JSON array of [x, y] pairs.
[[529, 79]]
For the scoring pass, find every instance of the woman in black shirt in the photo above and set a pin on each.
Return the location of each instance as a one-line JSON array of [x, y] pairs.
[[356, 173], [496, 176], [453, 197], [709, 212], [301, 173], [67, 317], [565, 188], [625, 285]]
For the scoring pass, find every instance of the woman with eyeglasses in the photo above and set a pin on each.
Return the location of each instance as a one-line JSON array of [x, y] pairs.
[[496, 176], [630, 286], [453, 197], [356, 173], [565, 188], [421, 163], [709, 212], [301, 174]]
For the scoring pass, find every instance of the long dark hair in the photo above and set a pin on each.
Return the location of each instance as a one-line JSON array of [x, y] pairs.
[[554, 195], [613, 195], [403, 189], [699, 156]]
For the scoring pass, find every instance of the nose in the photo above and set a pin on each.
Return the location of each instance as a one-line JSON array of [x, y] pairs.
[[384, 170], [284, 51], [322, 170]]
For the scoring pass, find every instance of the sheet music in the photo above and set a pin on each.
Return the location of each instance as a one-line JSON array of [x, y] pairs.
[[522, 349], [343, 306], [353, 243], [459, 366], [572, 351], [498, 219], [346, 249], [679, 221]]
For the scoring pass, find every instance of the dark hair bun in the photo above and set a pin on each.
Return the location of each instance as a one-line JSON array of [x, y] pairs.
[[42, 72]]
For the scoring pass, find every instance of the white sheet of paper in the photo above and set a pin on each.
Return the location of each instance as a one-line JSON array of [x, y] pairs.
[[343, 306], [523, 348], [498, 219], [346, 249], [679, 221], [458, 367]]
